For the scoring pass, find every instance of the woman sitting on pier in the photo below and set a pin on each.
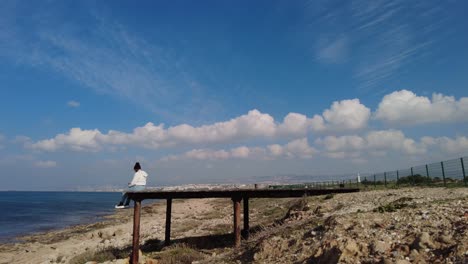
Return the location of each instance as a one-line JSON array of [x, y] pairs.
[[138, 183]]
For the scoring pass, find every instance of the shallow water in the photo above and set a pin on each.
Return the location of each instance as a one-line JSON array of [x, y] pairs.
[[29, 212]]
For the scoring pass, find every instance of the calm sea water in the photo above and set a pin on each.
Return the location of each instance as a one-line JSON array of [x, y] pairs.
[[30, 212]]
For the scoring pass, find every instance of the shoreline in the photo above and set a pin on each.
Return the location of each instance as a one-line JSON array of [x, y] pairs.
[[422, 225], [115, 230], [99, 219]]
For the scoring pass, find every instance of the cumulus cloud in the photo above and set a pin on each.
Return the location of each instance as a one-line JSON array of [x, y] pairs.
[[73, 104], [347, 115], [254, 124], [45, 164], [405, 107], [456, 146], [372, 143], [343, 115], [298, 148], [76, 139]]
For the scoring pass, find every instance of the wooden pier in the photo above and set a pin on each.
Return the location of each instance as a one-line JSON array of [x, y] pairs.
[[236, 196]]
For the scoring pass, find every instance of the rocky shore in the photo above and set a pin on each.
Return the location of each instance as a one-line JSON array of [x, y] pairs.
[[409, 225]]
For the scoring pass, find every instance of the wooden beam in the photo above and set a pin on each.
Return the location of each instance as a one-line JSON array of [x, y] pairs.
[[237, 229], [136, 232], [250, 193], [167, 239], [245, 232]]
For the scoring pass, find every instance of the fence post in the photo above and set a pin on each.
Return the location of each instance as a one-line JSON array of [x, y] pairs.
[[397, 177], [443, 172], [463, 170], [375, 185], [412, 176], [385, 179], [427, 174]]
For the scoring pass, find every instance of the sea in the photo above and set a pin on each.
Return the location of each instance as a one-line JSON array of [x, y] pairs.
[[24, 213]]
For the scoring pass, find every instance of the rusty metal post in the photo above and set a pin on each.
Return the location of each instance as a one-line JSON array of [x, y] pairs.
[[463, 170], [245, 232], [237, 229], [443, 173], [397, 178], [427, 174], [412, 177], [167, 238], [136, 232]]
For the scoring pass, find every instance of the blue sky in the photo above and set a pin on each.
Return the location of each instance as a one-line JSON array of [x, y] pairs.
[[227, 91]]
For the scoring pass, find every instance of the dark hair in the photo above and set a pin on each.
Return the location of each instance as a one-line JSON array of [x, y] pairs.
[[137, 166]]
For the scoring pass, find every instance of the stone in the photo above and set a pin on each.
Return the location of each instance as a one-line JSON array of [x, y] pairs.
[[152, 261], [380, 247], [423, 241], [402, 261], [123, 261], [445, 239]]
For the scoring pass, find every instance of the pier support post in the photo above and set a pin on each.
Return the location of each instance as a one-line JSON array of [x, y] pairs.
[[245, 232], [167, 238], [136, 232], [237, 229]]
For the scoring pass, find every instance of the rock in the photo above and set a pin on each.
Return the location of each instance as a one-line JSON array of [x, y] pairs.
[[118, 232], [423, 241], [445, 239], [402, 250], [402, 261], [122, 261], [151, 261], [380, 247], [350, 249], [91, 262]]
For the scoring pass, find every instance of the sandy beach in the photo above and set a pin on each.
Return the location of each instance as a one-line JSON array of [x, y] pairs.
[[410, 225]]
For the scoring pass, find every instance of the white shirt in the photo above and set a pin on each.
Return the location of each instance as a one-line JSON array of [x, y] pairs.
[[139, 178]]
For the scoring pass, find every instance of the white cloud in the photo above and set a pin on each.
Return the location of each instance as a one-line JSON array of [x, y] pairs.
[[347, 115], [332, 51], [298, 148], [457, 146], [343, 115], [45, 164], [393, 139], [295, 123], [405, 107], [373, 143], [254, 124], [73, 104], [76, 139], [333, 143], [240, 152]]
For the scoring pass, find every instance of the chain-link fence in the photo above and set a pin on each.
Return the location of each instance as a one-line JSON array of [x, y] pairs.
[[449, 173]]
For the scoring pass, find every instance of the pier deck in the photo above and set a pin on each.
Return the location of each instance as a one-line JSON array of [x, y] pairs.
[[236, 195]]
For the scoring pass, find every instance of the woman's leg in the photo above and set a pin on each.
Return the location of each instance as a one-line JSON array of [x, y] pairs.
[[134, 188], [122, 200]]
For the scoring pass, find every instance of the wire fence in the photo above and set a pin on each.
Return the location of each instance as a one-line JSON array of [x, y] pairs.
[[449, 173]]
